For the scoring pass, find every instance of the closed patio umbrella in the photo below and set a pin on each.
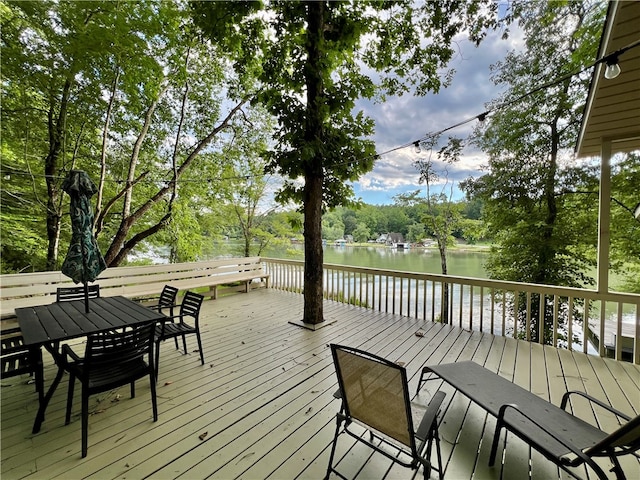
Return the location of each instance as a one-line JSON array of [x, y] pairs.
[[83, 262]]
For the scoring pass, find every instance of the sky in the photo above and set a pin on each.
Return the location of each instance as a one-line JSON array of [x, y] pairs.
[[405, 119]]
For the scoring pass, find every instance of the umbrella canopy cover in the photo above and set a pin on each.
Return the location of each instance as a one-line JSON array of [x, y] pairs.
[[84, 262]]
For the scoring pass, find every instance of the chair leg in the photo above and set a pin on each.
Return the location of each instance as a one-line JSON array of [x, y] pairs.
[[85, 422], [39, 373], [72, 380], [133, 389], [157, 360], [617, 468], [184, 343], [494, 444], [154, 400], [200, 347], [333, 447], [436, 437], [422, 380]]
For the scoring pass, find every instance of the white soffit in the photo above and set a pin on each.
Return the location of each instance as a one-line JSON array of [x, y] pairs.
[[612, 112]]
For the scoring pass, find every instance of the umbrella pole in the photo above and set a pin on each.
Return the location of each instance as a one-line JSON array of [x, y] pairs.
[[86, 297]]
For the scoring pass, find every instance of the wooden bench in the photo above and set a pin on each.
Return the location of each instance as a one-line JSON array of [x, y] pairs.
[[144, 282]]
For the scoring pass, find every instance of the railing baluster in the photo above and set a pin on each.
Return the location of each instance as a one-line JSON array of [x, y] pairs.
[[471, 307], [556, 302], [481, 308], [516, 304], [618, 342], [461, 303], [433, 300], [542, 307], [603, 309], [288, 275]]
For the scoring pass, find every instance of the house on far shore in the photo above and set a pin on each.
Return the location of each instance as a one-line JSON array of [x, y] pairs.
[[394, 239]]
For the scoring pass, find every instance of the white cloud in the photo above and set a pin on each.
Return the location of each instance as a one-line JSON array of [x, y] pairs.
[[402, 120]]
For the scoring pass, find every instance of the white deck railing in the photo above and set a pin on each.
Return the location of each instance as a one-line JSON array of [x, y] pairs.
[[484, 305]]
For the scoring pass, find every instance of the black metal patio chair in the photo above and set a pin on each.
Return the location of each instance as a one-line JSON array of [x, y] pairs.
[[16, 359], [375, 395], [176, 326], [69, 294], [111, 360], [167, 301]]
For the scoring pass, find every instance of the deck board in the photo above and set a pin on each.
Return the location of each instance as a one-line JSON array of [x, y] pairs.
[[264, 398]]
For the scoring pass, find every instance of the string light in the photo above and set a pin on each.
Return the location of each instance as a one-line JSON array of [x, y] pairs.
[[613, 69], [416, 147]]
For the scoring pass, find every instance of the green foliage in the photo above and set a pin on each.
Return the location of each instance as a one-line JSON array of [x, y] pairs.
[[332, 226], [541, 235], [361, 233], [625, 229], [127, 92]]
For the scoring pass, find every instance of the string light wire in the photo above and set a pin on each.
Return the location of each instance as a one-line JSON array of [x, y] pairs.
[[607, 59]]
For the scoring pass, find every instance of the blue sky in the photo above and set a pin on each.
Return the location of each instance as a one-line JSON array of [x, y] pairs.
[[405, 119]]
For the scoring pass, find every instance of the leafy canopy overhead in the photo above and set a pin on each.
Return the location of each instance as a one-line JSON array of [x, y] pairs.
[[367, 50]]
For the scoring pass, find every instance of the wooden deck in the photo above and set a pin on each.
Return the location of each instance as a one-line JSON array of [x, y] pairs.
[[263, 406]]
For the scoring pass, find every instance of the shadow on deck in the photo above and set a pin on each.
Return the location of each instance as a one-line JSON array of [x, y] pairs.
[[262, 406]]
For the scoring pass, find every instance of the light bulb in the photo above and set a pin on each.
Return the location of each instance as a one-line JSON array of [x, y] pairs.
[[416, 147], [612, 70]]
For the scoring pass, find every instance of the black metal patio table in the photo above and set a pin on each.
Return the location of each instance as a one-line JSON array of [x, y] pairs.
[[47, 325]]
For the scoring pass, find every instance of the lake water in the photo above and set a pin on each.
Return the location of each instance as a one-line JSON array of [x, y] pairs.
[[463, 263]]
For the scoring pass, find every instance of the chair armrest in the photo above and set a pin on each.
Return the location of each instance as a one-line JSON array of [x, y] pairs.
[[565, 399], [160, 307], [430, 416], [67, 351], [501, 421]]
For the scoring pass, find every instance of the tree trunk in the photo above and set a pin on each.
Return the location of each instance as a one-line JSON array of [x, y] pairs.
[[313, 254], [56, 140], [314, 173]]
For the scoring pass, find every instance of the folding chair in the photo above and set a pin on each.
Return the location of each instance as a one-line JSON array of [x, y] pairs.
[[375, 395]]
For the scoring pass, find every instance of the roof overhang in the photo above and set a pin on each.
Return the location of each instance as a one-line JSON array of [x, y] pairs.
[[612, 111]]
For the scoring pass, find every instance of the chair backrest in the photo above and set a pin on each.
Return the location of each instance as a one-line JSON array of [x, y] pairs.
[[11, 341], [14, 356], [119, 347], [626, 439], [190, 306], [68, 294], [375, 392], [168, 296]]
